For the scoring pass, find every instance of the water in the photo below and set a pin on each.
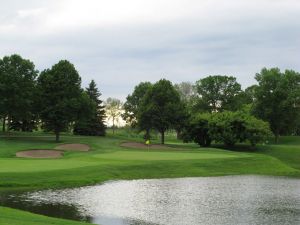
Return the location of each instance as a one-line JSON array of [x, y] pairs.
[[231, 200]]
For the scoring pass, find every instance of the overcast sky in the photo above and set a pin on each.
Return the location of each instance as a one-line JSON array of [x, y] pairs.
[[120, 43]]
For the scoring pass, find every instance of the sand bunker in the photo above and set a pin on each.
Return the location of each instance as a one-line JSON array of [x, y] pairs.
[[40, 154], [144, 146], [74, 147]]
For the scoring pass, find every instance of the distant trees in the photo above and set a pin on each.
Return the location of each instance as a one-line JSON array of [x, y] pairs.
[[214, 109], [18, 93], [277, 99], [188, 93], [218, 93], [53, 98], [92, 113], [134, 101], [155, 106], [113, 108], [161, 108], [60, 94]]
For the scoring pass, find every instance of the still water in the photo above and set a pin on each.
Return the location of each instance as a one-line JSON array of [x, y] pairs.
[[231, 200]]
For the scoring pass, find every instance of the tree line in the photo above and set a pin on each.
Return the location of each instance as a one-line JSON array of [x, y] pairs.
[[216, 108], [52, 100], [213, 109]]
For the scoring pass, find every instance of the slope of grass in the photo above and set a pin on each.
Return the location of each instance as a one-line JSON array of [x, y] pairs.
[[17, 217], [107, 160]]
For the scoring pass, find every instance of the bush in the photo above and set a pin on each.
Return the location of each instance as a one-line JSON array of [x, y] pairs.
[[232, 127], [228, 128], [197, 130]]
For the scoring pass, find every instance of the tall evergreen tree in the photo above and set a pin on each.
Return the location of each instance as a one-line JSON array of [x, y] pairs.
[[91, 122]]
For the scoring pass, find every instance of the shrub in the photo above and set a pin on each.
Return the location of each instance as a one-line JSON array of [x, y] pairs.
[[226, 127]]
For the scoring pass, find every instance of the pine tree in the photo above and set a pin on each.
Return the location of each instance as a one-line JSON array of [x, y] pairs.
[[92, 124]]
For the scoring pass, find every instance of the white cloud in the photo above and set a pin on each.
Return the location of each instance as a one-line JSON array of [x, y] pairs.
[[120, 43]]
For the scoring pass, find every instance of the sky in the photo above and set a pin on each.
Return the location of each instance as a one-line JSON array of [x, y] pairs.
[[120, 43]]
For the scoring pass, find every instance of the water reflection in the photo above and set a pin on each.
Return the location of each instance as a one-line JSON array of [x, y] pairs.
[[59, 210], [185, 201]]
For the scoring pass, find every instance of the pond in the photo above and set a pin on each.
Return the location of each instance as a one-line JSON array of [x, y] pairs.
[[230, 200]]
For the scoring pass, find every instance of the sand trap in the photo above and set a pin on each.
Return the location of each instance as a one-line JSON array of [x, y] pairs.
[[144, 146], [40, 154], [74, 147]]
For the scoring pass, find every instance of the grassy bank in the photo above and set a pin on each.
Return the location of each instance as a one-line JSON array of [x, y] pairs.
[[17, 217], [108, 161]]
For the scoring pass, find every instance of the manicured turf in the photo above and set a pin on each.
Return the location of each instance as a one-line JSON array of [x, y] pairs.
[[17, 217], [107, 160]]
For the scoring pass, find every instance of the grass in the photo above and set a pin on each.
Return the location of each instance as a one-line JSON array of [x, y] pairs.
[[17, 217], [108, 161]]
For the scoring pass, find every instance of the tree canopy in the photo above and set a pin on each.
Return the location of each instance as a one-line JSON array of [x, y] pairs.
[[60, 94], [161, 108], [17, 90], [92, 114], [218, 93], [113, 108], [188, 93], [214, 108], [133, 102], [277, 99]]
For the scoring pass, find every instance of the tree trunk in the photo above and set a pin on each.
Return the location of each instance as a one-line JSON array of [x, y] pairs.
[[163, 137], [147, 135], [8, 124], [178, 134], [57, 136], [113, 126], [276, 136], [3, 125]]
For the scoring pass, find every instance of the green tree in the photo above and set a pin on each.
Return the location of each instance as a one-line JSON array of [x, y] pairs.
[[113, 108], [188, 94], [60, 96], [161, 108], [232, 127], [133, 102], [17, 91], [92, 114], [218, 93], [197, 129], [249, 94], [277, 99]]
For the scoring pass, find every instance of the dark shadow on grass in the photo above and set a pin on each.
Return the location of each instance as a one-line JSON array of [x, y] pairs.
[[237, 147]]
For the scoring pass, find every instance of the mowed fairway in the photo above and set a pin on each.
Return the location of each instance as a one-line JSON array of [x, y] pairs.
[[107, 160]]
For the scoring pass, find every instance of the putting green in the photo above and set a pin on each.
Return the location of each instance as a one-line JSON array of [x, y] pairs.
[[36, 165], [150, 156]]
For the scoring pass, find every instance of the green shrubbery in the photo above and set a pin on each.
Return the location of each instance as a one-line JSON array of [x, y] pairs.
[[226, 127]]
